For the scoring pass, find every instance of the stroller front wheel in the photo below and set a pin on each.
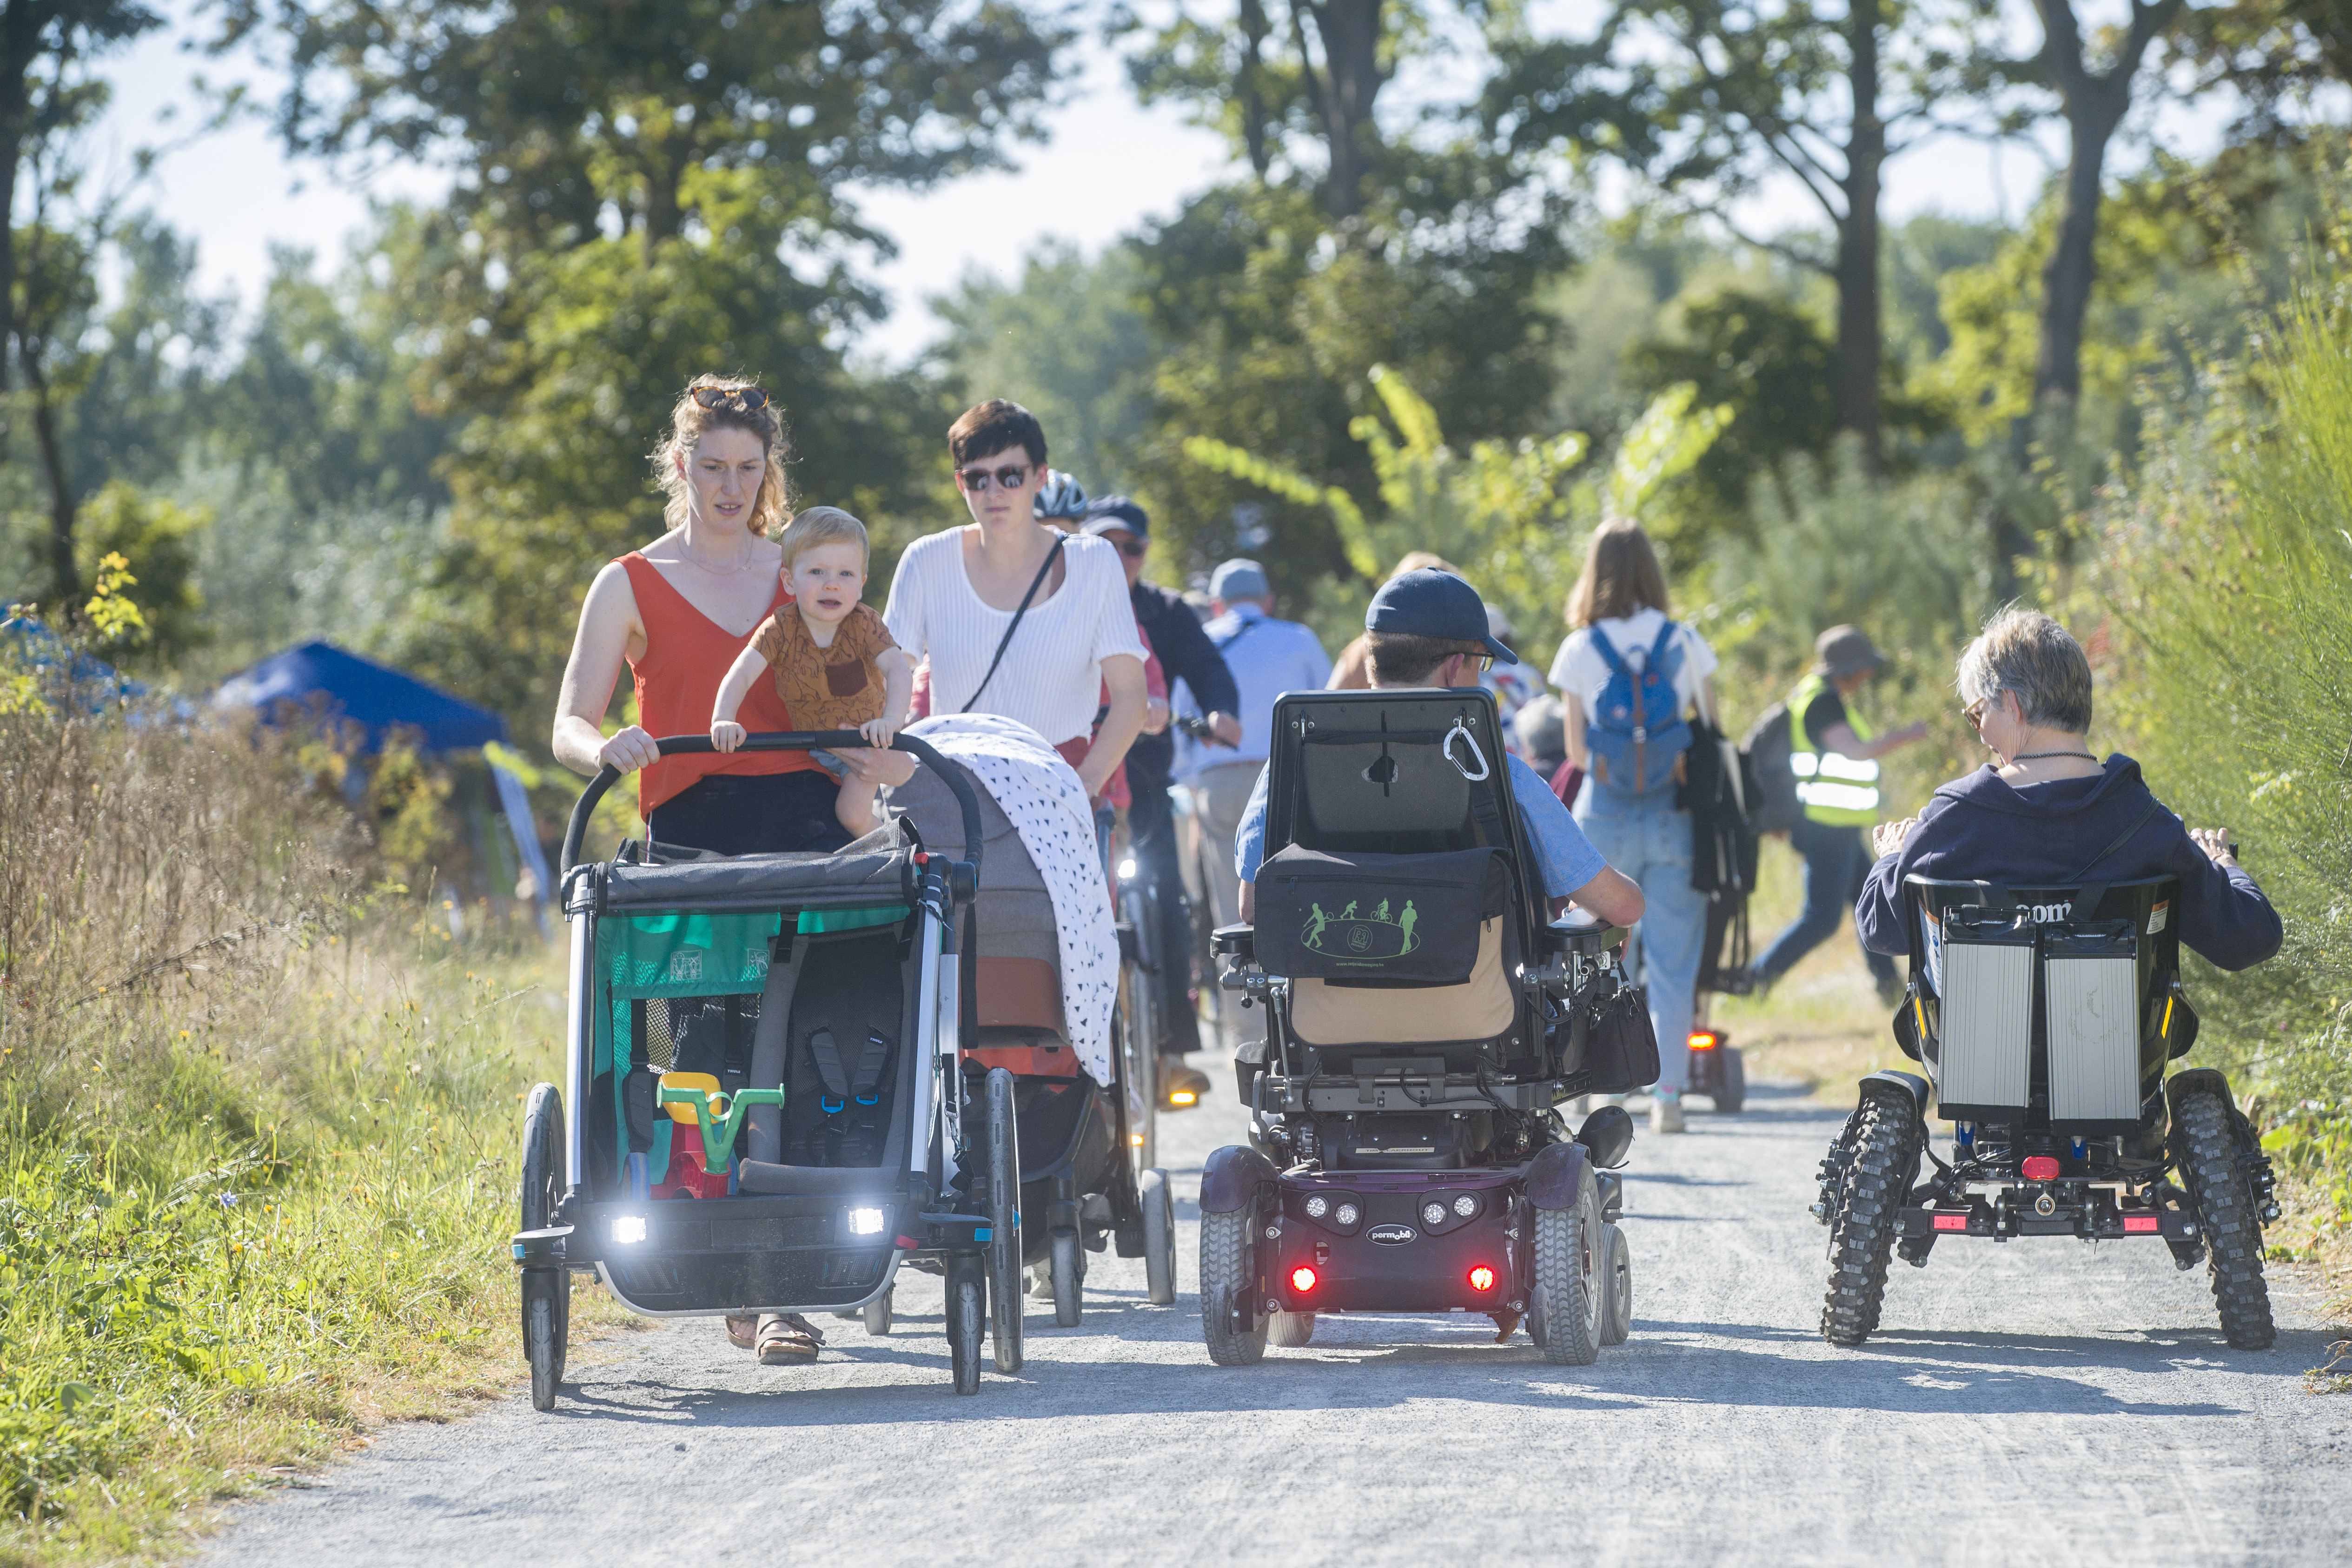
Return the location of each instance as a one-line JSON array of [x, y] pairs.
[[1158, 1238], [967, 1319], [1003, 1220]]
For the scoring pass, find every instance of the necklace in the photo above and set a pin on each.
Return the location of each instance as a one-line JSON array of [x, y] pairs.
[[2038, 756], [742, 559]]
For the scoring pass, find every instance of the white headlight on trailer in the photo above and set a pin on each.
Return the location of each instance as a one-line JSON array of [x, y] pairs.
[[627, 1229], [866, 1221], [1126, 869]]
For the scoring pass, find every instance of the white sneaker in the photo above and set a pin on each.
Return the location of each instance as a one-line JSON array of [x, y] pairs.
[[1665, 1113]]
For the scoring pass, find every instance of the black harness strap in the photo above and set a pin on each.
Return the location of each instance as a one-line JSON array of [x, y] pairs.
[[865, 1087], [826, 1052]]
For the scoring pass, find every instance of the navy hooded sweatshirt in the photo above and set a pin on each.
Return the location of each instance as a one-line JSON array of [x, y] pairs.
[[1980, 829]]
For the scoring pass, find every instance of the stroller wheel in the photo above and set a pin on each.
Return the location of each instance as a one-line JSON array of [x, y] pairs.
[[1003, 1255], [1616, 1285], [1070, 1280], [1158, 1238], [967, 1319], [546, 1292], [877, 1313]]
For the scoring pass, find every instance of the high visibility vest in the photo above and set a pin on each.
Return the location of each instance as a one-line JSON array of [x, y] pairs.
[[1838, 791]]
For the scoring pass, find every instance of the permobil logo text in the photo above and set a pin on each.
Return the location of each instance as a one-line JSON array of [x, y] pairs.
[[1391, 1235]]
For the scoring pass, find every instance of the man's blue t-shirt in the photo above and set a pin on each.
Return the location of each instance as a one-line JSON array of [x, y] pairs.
[[1564, 854]]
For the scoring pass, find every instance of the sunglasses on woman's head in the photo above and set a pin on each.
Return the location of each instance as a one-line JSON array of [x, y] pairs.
[[753, 399], [977, 480]]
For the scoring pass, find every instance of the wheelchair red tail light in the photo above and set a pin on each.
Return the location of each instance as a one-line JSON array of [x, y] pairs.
[[2040, 1167], [1706, 1039], [1302, 1280], [1482, 1278]]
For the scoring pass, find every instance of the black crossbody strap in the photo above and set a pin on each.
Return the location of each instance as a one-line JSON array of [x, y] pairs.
[[2121, 840], [1005, 642]]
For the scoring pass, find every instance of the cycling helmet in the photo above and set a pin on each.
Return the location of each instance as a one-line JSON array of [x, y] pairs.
[[1061, 496]]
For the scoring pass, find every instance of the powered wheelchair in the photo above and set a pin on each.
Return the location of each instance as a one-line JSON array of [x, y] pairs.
[[1424, 1022], [2045, 1018]]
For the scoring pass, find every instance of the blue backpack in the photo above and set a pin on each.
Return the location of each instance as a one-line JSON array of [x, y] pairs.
[[1637, 730]]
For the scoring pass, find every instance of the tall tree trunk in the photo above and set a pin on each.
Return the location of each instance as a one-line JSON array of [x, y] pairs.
[[64, 577], [1344, 90], [1859, 346], [2093, 105], [1255, 28]]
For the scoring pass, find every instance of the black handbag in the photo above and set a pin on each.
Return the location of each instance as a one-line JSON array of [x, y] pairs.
[[1403, 919], [1621, 1049]]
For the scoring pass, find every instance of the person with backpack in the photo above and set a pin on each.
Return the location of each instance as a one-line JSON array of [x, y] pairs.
[[1828, 790], [1628, 675]]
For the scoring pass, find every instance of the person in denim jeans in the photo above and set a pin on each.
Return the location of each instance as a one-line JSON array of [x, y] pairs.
[[1621, 594]]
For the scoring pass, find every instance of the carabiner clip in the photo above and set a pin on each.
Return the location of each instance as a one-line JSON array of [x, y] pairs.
[[1446, 747]]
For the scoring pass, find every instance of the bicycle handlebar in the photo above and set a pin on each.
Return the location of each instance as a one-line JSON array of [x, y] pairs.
[[784, 740]]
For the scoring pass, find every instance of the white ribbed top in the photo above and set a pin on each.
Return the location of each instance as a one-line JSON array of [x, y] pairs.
[[1051, 679]]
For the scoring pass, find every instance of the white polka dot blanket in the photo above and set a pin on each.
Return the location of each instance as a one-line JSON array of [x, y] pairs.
[[1041, 795]]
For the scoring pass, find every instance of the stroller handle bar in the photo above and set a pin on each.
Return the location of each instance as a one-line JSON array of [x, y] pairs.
[[786, 740]]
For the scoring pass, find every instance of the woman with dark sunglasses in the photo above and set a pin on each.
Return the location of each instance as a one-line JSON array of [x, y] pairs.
[[1016, 618]]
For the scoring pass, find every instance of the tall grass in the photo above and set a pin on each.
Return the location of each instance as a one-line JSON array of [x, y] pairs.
[[2221, 599], [257, 1127]]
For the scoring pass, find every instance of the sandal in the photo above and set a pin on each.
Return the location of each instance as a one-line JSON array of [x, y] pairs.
[[740, 1330], [787, 1339]]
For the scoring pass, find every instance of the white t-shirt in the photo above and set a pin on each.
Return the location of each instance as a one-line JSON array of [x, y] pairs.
[[1051, 679], [1579, 671]]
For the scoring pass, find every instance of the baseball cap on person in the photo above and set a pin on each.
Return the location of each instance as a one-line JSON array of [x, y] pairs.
[[1239, 579], [1434, 604], [1844, 651], [1108, 512]]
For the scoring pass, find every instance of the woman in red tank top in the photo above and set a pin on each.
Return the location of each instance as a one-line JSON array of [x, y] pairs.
[[678, 612]]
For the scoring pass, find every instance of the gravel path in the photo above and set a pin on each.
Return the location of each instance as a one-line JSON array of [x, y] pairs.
[[2039, 1401]]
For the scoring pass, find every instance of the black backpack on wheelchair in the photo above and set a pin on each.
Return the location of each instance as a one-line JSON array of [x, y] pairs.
[[1424, 1020], [2045, 1018]]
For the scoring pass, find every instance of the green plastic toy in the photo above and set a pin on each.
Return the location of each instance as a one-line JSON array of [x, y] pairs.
[[718, 1134]]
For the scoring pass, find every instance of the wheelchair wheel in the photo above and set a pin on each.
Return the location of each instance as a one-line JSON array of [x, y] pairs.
[[1887, 1142], [967, 1319], [546, 1292], [1003, 1254], [1616, 1285], [2206, 1139], [1731, 1083], [1159, 1239], [1565, 1311], [1069, 1276], [877, 1313], [1230, 1319], [1289, 1329]]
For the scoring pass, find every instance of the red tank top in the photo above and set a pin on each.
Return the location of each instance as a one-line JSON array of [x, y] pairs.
[[687, 655]]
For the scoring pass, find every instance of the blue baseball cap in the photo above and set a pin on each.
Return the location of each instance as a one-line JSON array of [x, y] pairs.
[[1239, 579], [1434, 604], [1108, 513]]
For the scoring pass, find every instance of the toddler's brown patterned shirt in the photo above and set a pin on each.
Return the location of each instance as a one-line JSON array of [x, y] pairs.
[[826, 688]]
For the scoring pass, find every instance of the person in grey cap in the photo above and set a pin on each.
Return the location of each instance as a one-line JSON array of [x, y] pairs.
[[1836, 765], [1266, 657]]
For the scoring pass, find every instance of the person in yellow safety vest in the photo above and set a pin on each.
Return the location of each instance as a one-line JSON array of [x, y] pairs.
[[1834, 755]]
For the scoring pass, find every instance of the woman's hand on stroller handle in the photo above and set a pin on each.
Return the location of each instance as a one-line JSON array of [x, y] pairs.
[[726, 735], [628, 750]]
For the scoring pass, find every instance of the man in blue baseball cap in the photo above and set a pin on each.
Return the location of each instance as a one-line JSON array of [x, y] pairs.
[[1428, 629]]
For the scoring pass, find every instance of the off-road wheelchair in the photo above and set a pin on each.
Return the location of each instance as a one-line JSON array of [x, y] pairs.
[[2045, 1016], [1424, 1020]]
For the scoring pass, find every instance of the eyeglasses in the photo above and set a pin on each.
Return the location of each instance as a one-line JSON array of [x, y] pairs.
[[753, 399], [977, 480]]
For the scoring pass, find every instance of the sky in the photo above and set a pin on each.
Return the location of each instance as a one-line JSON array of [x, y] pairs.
[[1108, 165]]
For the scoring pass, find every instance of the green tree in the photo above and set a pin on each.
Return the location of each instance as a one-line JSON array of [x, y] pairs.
[[1070, 340], [1710, 99], [644, 192]]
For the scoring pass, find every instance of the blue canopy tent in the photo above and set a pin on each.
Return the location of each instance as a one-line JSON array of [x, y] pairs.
[[335, 684]]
